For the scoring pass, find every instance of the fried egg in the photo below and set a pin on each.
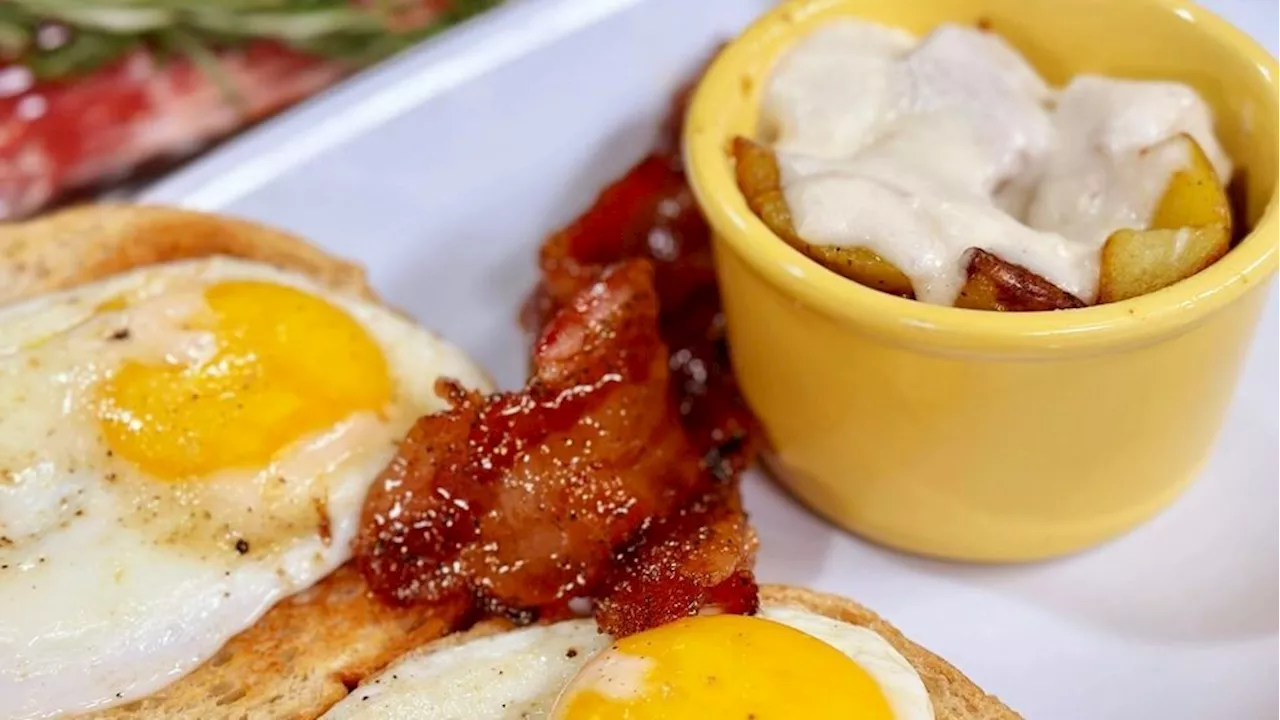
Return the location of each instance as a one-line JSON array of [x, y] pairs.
[[181, 447], [785, 662]]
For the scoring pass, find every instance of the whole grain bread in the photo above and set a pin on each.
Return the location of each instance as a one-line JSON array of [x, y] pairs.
[[308, 651]]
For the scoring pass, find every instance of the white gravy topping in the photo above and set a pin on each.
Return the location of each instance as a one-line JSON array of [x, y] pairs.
[[919, 150]]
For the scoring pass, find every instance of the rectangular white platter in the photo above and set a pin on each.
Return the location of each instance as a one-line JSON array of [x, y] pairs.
[[442, 170]]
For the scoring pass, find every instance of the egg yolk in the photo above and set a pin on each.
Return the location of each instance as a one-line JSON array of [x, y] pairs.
[[722, 666], [285, 364]]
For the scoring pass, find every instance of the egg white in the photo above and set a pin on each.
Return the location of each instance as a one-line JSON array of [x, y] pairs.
[[98, 606], [518, 675]]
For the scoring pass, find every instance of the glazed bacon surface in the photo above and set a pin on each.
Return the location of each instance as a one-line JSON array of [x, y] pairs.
[[614, 474], [701, 556], [569, 488], [651, 213]]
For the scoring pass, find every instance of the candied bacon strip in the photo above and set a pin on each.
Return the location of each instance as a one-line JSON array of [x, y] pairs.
[[698, 557], [521, 499], [613, 475], [650, 212], [715, 417]]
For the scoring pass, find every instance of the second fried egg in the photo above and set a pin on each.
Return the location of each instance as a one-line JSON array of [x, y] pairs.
[[787, 662]]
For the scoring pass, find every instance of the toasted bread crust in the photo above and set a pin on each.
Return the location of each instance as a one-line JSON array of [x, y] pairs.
[[309, 650], [85, 244], [303, 656]]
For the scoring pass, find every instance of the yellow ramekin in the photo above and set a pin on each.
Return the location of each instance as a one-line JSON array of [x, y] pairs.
[[979, 435]]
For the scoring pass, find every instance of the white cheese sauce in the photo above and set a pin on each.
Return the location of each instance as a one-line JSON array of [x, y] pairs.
[[921, 150]]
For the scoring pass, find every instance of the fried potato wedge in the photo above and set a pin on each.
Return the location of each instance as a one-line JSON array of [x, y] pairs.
[[1137, 262], [1194, 196], [994, 284], [760, 182], [1190, 230], [862, 266]]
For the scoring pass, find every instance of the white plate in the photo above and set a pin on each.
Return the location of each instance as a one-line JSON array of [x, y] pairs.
[[442, 171]]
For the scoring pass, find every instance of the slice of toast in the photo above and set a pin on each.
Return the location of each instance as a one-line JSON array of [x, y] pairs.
[[308, 651], [954, 696]]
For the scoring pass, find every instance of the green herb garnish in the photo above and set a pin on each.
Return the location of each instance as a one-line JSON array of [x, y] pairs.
[[103, 30]]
